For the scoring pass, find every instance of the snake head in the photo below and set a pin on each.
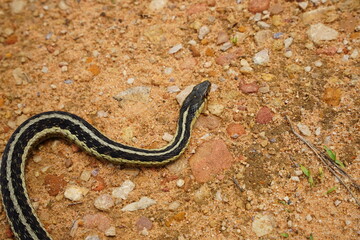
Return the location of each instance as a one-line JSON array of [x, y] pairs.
[[197, 98]]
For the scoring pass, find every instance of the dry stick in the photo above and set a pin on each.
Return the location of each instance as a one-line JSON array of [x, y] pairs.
[[330, 165]]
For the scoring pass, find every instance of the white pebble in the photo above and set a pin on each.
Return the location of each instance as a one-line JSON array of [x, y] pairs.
[[337, 202], [192, 42], [173, 89], [307, 69], [92, 237], [143, 203], [303, 5], [218, 196], [174, 205], [263, 24], [110, 232], [102, 113], [226, 46], [288, 54], [168, 70], [288, 42], [203, 31], [64, 68], [295, 178], [104, 202], [180, 182], [124, 190], [304, 129], [44, 69], [167, 137], [95, 53], [354, 54], [298, 172], [207, 64], [75, 193], [318, 63], [85, 175], [308, 218], [130, 80], [175, 48], [261, 57]]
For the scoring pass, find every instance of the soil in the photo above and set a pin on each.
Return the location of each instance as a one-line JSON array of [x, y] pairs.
[[75, 56]]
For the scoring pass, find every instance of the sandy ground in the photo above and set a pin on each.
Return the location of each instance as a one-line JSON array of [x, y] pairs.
[[75, 56]]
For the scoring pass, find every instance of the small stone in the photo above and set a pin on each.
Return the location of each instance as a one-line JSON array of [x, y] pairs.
[[262, 37], [337, 203], [62, 5], [304, 129], [183, 94], [249, 88], [54, 184], [318, 63], [211, 158], [143, 203], [295, 178], [288, 54], [167, 137], [156, 5], [99, 221], [17, 6], [44, 69], [288, 42], [319, 32], [19, 76], [124, 190], [75, 193], [226, 46], [203, 31], [261, 57], [223, 37], [216, 109], [110, 232], [143, 222], [263, 25], [104, 202], [202, 194], [168, 70], [257, 6], [140, 93], [130, 80], [235, 130], [264, 115], [307, 69], [227, 58], [303, 5], [354, 54], [298, 172], [175, 48], [173, 89], [174, 205], [263, 224], [308, 218], [180, 182], [85, 175], [92, 237]]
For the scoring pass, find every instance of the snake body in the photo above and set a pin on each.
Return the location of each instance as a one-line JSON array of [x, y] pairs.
[[20, 213]]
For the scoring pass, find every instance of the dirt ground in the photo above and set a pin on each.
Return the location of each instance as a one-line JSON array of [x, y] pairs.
[[75, 56]]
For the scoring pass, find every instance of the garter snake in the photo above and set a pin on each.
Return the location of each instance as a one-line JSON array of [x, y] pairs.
[[17, 205]]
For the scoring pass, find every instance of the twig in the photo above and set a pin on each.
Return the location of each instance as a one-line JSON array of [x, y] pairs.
[[237, 184], [331, 165]]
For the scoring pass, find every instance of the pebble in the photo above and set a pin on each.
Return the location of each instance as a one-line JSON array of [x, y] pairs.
[[92, 237], [173, 89], [85, 175], [288, 42], [332, 96], [262, 37], [319, 32], [263, 25], [62, 5], [167, 137], [156, 5], [304, 129], [225, 59], [318, 63], [17, 6], [295, 178], [303, 5], [288, 54], [218, 196], [263, 224], [168, 70], [104, 202], [180, 182], [45, 69], [110, 232], [235, 130], [19, 76], [130, 80], [143, 222], [183, 94], [102, 114], [264, 115], [211, 158], [99, 221], [216, 109], [261, 57], [175, 48], [222, 37], [143, 203], [207, 64], [174, 205], [123, 191], [354, 54], [202, 194], [298, 172], [140, 93], [203, 31], [308, 218], [249, 88], [54, 184], [307, 69], [75, 193], [257, 6], [226, 46]]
